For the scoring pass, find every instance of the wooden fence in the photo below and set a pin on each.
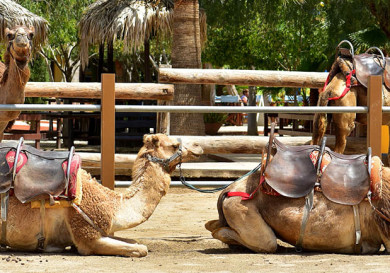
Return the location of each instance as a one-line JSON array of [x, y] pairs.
[[108, 91]]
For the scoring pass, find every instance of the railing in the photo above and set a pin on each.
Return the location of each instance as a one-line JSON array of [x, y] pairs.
[[108, 108]]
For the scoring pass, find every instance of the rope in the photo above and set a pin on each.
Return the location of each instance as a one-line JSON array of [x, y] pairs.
[[185, 183]]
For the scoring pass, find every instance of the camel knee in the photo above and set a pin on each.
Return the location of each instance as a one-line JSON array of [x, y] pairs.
[[213, 225]]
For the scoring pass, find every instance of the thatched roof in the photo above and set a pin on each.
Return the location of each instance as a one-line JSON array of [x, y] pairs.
[[128, 20], [12, 14]]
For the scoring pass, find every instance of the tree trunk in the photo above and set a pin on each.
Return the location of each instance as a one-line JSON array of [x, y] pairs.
[[110, 57], [101, 62], [148, 72], [186, 53], [252, 121]]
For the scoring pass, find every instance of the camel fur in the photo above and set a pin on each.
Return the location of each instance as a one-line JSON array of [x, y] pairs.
[[344, 122], [109, 210], [257, 223], [14, 72]]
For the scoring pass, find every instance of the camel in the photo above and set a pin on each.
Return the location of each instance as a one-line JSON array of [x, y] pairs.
[[109, 211], [14, 72], [344, 122], [257, 223]]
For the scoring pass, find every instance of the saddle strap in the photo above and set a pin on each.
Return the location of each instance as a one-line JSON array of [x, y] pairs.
[[41, 234], [358, 232], [4, 210], [309, 200], [347, 87]]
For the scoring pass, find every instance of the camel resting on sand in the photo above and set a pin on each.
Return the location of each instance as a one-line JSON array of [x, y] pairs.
[[257, 223], [109, 211]]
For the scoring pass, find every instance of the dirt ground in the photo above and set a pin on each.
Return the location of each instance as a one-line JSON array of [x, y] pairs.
[[178, 242]]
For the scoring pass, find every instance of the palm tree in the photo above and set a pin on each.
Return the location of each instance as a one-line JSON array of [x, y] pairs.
[[186, 53]]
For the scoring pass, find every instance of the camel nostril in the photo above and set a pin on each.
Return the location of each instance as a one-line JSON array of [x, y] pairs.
[[21, 44]]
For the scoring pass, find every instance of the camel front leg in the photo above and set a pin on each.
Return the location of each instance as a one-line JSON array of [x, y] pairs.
[[246, 227], [112, 246]]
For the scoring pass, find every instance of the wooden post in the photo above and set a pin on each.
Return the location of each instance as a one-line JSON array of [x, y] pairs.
[[374, 116], [108, 131]]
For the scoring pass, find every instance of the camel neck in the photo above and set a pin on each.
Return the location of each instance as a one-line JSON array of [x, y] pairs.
[[150, 183], [18, 75]]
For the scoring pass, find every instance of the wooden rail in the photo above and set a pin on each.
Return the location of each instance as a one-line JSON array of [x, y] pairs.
[[264, 78], [130, 91]]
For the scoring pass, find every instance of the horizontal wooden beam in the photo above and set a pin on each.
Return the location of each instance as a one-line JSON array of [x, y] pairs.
[[130, 91], [216, 145], [263, 78]]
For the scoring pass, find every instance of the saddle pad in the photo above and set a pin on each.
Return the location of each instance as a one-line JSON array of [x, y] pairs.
[[291, 172], [65, 203], [387, 73], [376, 178], [366, 65], [345, 179]]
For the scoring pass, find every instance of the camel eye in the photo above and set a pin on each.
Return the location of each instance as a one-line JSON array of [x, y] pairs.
[[175, 146], [11, 36]]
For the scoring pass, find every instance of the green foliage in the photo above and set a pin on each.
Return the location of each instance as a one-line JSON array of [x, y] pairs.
[[215, 117]]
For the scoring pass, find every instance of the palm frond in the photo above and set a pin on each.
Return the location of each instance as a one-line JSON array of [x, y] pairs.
[[12, 14], [132, 21]]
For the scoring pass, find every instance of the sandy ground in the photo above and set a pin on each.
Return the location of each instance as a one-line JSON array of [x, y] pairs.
[[178, 242]]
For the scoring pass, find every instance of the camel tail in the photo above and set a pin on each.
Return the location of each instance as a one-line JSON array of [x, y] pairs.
[[221, 222], [320, 121]]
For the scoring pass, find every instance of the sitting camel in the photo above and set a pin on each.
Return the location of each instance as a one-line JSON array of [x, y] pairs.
[[256, 223], [14, 72], [108, 211]]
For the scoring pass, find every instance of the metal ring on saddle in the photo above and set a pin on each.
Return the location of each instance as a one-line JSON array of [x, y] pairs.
[[381, 53], [71, 153], [18, 148], [350, 45]]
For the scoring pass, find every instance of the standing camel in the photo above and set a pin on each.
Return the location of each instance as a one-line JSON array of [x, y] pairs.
[[108, 210], [14, 72], [332, 95]]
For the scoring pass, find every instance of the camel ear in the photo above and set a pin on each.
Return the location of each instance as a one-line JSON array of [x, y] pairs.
[[152, 139]]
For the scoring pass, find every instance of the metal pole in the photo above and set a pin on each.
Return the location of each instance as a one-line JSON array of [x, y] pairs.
[[108, 131]]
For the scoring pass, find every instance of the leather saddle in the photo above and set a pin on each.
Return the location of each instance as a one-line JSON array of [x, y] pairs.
[[365, 65], [294, 171], [291, 171], [37, 174], [346, 178]]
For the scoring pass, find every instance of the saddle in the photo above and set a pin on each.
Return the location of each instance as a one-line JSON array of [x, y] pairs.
[[357, 68], [38, 175], [291, 171], [295, 171], [345, 179]]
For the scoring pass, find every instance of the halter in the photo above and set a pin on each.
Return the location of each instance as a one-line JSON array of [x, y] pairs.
[[165, 162]]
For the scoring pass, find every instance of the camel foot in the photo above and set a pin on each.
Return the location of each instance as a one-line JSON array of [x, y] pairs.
[[212, 225], [111, 246], [226, 235]]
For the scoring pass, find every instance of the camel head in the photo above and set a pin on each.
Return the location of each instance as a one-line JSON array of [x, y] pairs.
[[168, 148], [20, 42]]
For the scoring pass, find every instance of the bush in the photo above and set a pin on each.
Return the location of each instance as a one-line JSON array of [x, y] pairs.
[[215, 117]]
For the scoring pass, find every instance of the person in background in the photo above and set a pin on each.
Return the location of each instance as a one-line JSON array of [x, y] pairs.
[[244, 97]]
